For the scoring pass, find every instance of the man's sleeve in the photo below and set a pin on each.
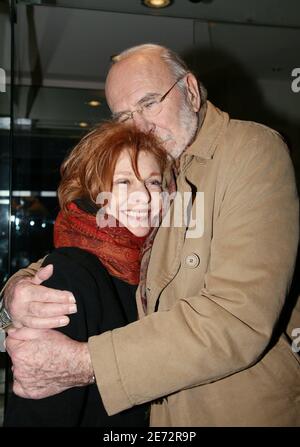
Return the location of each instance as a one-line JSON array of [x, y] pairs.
[[226, 327]]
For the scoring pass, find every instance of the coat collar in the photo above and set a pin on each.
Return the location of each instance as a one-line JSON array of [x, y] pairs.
[[162, 268]]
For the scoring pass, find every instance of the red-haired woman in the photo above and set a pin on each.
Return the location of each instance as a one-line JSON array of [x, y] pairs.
[[97, 258]]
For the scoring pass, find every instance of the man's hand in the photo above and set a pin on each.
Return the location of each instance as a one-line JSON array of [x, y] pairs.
[[33, 305], [47, 362]]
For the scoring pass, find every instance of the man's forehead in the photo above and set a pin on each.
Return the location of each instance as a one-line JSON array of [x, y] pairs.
[[128, 97], [130, 81]]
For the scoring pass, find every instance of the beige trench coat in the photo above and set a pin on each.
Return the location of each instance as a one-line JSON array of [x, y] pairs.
[[204, 358], [219, 296]]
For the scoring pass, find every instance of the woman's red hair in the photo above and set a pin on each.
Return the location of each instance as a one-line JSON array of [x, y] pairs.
[[89, 168]]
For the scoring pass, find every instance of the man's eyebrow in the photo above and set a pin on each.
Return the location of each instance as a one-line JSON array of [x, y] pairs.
[[146, 98]]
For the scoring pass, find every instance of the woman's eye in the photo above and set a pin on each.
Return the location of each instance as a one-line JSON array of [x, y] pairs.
[[122, 182], [155, 183]]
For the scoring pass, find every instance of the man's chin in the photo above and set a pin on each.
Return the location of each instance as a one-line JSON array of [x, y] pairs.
[[170, 146], [175, 151]]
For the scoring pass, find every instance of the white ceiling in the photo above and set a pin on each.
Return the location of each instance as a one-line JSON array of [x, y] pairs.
[[71, 47], [266, 12]]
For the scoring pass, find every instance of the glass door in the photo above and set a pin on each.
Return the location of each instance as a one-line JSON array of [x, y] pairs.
[[49, 115], [52, 113], [6, 142]]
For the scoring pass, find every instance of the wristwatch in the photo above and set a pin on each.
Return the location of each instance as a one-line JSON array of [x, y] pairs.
[[5, 319]]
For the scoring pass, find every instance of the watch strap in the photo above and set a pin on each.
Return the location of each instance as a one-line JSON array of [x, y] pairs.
[[5, 319]]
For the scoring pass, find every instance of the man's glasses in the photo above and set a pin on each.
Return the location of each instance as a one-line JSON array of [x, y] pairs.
[[149, 109]]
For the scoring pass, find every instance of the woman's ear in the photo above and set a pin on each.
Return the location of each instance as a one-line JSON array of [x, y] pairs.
[[193, 93]]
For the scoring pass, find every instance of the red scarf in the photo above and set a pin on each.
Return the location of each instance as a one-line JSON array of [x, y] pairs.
[[117, 248]]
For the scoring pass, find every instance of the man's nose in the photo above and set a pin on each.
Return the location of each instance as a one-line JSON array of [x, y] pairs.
[[141, 123]]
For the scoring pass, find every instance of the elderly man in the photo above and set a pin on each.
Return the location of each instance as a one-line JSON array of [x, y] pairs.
[[207, 350]]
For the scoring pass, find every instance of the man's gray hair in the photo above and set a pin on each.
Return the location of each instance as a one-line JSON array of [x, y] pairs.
[[177, 66]]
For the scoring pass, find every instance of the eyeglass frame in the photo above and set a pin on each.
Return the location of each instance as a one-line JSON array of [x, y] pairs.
[[142, 107]]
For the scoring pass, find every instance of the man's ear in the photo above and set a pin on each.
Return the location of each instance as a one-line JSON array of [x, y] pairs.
[[193, 92]]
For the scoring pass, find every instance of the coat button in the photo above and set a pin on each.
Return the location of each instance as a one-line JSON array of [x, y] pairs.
[[192, 261]]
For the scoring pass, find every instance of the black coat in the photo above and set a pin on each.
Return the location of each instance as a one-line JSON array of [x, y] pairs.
[[103, 303]]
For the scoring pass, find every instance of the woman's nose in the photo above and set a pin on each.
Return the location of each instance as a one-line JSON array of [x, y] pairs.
[[141, 195]]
